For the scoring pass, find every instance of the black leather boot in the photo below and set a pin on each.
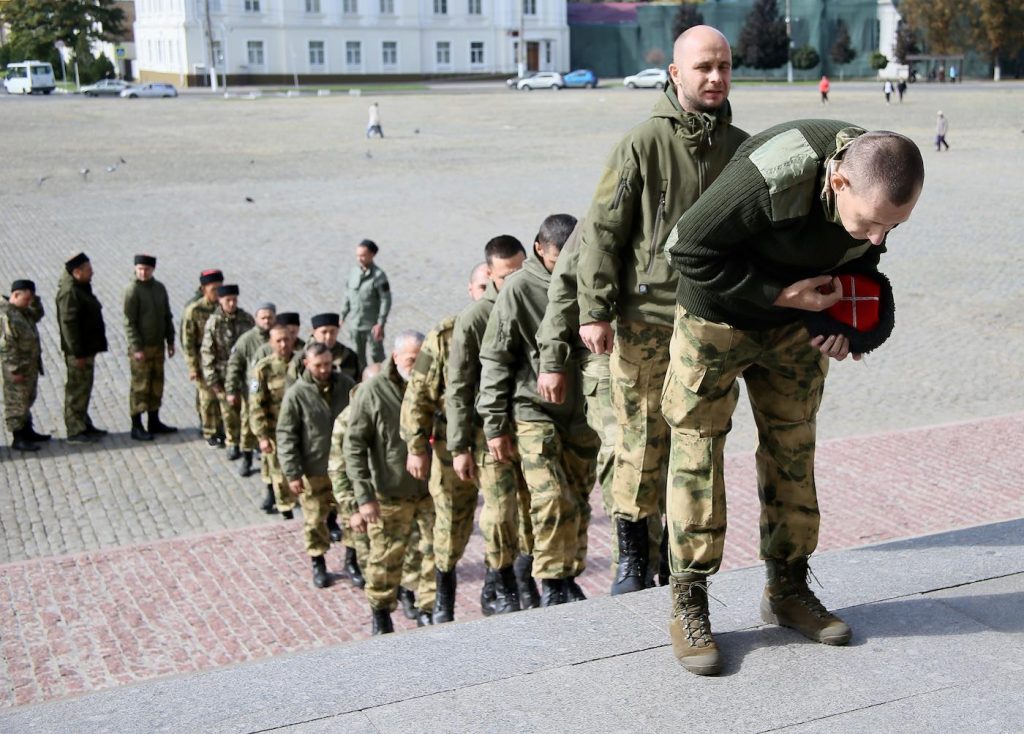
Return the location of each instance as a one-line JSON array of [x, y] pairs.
[[269, 505], [381, 624], [574, 590], [424, 618], [139, 433], [321, 579], [31, 435], [632, 539], [332, 526], [487, 592], [408, 600], [444, 604], [506, 594], [22, 443], [355, 575], [245, 468], [555, 591], [529, 594], [156, 427]]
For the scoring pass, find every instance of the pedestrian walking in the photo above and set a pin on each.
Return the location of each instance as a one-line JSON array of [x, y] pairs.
[[373, 124], [887, 89], [901, 89], [823, 86], [941, 128]]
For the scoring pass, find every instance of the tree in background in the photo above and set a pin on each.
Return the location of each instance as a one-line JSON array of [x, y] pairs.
[[806, 57], [998, 28], [686, 17], [842, 51], [38, 24], [763, 41], [878, 60], [906, 42], [942, 22]]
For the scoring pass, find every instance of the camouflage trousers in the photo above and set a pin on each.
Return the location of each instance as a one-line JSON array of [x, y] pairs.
[[505, 519], [231, 416], [454, 508], [77, 392], [785, 379], [317, 501], [147, 380], [284, 498], [560, 469], [412, 562], [389, 541], [249, 442], [18, 400], [209, 409], [601, 417], [367, 349]]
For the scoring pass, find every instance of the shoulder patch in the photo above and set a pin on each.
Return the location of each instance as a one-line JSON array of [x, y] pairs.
[[254, 385], [789, 166]]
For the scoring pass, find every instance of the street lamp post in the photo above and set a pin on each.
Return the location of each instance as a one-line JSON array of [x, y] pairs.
[[789, 43]]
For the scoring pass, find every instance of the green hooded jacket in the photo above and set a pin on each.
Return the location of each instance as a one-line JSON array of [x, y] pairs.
[[652, 176], [463, 377], [147, 315], [80, 316], [243, 358], [305, 423]]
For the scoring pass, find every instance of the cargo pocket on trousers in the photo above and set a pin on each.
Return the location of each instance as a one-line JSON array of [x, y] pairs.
[[624, 371]]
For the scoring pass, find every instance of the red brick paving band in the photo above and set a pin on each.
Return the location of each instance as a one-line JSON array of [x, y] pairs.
[[80, 623]]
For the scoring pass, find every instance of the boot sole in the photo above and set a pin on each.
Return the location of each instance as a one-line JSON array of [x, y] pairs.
[[711, 668], [770, 617]]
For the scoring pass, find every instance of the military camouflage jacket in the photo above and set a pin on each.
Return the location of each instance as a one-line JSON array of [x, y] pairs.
[[20, 350], [193, 323], [242, 358], [147, 315], [80, 315], [367, 298], [423, 405], [265, 350], [270, 379], [374, 451], [219, 336], [509, 359], [652, 176], [463, 376], [344, 492], [304, 424]]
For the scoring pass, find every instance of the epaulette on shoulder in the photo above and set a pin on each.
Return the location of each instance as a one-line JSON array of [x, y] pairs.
[[789, 166]]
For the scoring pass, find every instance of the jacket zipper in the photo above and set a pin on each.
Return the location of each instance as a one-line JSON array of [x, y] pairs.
[[620, 191], [657, 231]]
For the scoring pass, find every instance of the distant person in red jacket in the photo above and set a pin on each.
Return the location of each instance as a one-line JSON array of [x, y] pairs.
[[823, 87]]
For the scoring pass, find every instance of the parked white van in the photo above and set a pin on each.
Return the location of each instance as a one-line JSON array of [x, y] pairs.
[[29, 77]]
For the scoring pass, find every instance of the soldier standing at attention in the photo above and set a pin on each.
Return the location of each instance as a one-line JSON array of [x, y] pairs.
[[271, 377], [148, 326], [325, 331], [82, 336], [236, 383], [367, 304], [221, 332], [424, 429], [308, 412], [652, 176], [505, 518], [390, 499], [756, 251], [557, 448], [193, 324], [21, 362]]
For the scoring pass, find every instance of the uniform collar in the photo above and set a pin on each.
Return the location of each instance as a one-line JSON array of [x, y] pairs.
[[844, 138]]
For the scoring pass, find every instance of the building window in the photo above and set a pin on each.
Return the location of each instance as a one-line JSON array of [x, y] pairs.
[[353, 53], [444, 53], [316, 53], [476, 52], [389, 53], [387, 7], [529, 7], [475, 7], [313, 6], [253, 6], [350, 7], [255, 52], [547, 52], [440, 7]]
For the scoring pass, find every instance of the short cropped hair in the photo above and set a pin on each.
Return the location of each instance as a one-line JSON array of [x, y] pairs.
[[409, 336], [555, 230], [502, 247], [886, 160], [370, 245], [315, 349]]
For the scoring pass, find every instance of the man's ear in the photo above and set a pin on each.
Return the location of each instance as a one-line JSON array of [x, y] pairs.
[[839, 181]]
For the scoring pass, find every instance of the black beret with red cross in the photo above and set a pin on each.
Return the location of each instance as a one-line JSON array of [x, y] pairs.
[[865, 314]]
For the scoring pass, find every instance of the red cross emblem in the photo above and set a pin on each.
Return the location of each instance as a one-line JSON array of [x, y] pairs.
[[859, 305]]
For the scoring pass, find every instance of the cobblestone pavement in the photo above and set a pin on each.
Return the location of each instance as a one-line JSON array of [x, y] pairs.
[[104, 618], [454, 170]]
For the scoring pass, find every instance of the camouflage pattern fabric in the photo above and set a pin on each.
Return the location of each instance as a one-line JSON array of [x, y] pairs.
[[505, 518], [284, 498], [209, 410], [267, 386], [317, 501], [389, 539], [785, 379], [77, 392], [368, 349], [219, 336], [413, 560], [147, 380], [454, 508], [193, 323], [344, 494], [231, 417], [560, 470], [601, 418], [20, 355]]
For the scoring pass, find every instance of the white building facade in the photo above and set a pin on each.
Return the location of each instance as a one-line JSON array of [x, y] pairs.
[[254, 41]]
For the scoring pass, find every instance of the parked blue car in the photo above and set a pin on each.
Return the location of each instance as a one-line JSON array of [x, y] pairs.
[[582, 78]]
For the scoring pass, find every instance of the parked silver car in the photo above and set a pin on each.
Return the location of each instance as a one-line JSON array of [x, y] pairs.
[[648, 78], [153, 89], [105, 88], [541, 80]]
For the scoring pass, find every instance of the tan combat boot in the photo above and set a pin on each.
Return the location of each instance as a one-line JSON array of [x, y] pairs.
[[788, 602], [690, 628]]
